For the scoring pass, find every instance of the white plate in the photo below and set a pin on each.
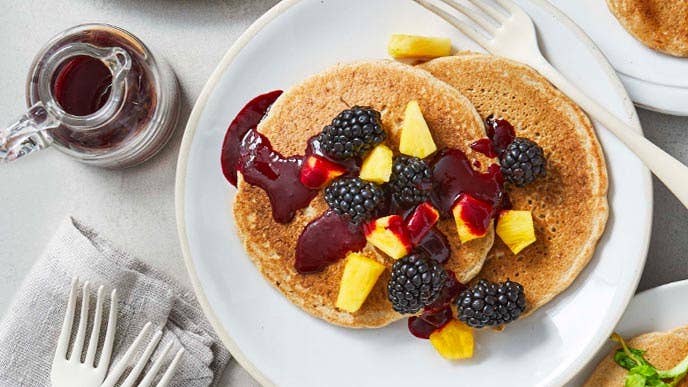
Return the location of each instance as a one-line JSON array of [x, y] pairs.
[[280, 344], [654, 80], [654, 310]]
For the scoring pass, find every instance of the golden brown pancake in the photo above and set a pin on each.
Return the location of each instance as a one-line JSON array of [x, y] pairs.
[[659, 24], [664, 351], [569, 206], [302, 112]]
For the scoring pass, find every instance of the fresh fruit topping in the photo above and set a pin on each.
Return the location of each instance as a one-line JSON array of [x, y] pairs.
[[410, 182], [516, 229], [523, 161], [316, 247], [424, 325], [416, 139], [454, 341], [360, 275], [316, 172], [472, 217], [421, 221], [377, 167], [389, 235], [352, 133], [416, 282], [354, 198], [491, 304], [413, 46]]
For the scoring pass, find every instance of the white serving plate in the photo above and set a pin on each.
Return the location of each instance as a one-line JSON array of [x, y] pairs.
[[277, 342], [654, 80], [654, 310]]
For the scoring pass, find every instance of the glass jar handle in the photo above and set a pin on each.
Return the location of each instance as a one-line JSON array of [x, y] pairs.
[[29, 134]]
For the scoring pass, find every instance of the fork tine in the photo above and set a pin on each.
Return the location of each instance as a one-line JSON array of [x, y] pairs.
[[510, 6], [470, 31], [136, 371], [153, 371], [167, 376], [104, 361], [81, 332], [66, 332], [95, 333], [116, 372], [488, 9], [476, 17]]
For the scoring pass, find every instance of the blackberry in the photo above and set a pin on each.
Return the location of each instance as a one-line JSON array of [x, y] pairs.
[[522, 162], [354, 198], [352, 133], [491, 304], [410, 182], [416, 282]]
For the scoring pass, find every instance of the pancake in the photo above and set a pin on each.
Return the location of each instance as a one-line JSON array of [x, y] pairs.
[[659, 24], [302, 112], [664, 351], [569, 206]]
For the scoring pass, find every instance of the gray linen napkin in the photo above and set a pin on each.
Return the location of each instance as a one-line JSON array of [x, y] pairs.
[[29, 330]]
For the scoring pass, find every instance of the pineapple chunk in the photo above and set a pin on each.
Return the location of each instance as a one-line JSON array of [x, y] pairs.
[[454, 341], [416, 139], [516, 229], [377, 167], [360, 275], [472, 217], [413, 46], [389, 235]]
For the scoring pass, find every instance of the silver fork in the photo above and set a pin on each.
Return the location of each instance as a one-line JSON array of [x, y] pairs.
[[67, 372], [506, 30]]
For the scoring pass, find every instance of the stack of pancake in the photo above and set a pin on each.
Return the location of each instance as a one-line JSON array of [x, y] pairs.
[[456, 94]]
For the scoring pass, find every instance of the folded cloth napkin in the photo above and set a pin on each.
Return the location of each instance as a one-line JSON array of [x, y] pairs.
[[29, 330]]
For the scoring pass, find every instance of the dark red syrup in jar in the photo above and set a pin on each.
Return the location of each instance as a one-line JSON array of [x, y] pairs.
[[82, 85], [326, 240], [249, 117]]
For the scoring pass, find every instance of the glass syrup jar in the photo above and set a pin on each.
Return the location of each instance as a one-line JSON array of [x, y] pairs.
[[98, 94]]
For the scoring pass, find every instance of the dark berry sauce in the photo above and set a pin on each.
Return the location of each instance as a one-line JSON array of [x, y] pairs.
[[453, 175], [500, 133], [436, 245], [249, 117], [326, 240], [424, 325], [82, 85], [439, 313], [277, 175]]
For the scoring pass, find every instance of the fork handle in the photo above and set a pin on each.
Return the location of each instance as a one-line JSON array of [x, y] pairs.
[[670, 171]]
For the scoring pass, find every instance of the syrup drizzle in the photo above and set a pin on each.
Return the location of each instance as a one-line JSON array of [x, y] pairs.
[[249, 117], [325, 241]]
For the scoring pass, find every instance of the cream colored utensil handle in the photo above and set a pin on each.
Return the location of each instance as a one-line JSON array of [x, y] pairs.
[[670, 171]]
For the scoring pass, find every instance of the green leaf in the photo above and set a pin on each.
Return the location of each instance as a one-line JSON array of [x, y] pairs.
[[628, 361], [635, 380]]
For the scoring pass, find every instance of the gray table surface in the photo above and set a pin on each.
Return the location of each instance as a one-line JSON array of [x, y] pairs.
[[135, 207]]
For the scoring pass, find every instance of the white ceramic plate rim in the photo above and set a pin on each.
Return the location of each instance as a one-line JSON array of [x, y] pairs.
[[192, 125]]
